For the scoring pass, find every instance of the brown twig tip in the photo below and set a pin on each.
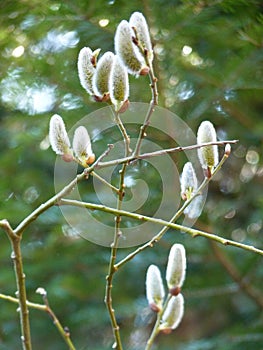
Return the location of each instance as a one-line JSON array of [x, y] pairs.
[[5, 224]]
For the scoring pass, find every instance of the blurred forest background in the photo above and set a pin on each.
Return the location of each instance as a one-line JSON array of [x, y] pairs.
[[209, 62]]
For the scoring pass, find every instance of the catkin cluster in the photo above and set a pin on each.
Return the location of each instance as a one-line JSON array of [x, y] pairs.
[[106, 78], [173, 309]]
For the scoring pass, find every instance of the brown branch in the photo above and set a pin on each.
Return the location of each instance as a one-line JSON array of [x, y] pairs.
[[225, 261], [16, 256]]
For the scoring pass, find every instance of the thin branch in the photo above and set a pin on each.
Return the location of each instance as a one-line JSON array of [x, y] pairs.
[[126, 137], [16, 256], [64, 332], [67, 189], [55, 199], [29, 304], [162, 152], [105, 182], [193, 232], [154, 101], [52, 201], [65, 335], [101, 157], [117, 234], [143, 128], [156, 329], [160, 234]]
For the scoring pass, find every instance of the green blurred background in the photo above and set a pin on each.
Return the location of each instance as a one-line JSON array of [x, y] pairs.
[[209, 62]]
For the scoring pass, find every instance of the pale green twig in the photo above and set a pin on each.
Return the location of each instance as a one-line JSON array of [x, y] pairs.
[[29, 304], [156, 329], [160, 234], [191, 231], [65, 335], [52, 201], [117, 234], [101, 179], [68, 188]]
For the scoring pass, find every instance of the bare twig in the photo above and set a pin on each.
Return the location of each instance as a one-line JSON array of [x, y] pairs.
[[105, 182], [29, 304], [160, 234], [117, 234], [44, 307], [52, 201], [153, 103], [101, 157], [156, 329], [64, 332], [191, 231], [20, 283], [162, 152], [68, 188]]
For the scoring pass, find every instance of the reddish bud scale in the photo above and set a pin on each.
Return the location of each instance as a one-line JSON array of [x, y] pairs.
[[154, 307], [175, 291], [124, 106], [167, 331], [93, 61], [67, 157], [184, 196], [104, 98], [144, 71], [207, 172]]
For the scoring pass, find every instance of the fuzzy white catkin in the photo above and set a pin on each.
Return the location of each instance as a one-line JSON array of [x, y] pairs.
[[58, 136], [208, 156], [173, 313], [138, 21], [189, 181], [86, 69], [102, 74], [82, 145], [118, 84], [194, 209], [126, 50], [154, 287], [176, 267]]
